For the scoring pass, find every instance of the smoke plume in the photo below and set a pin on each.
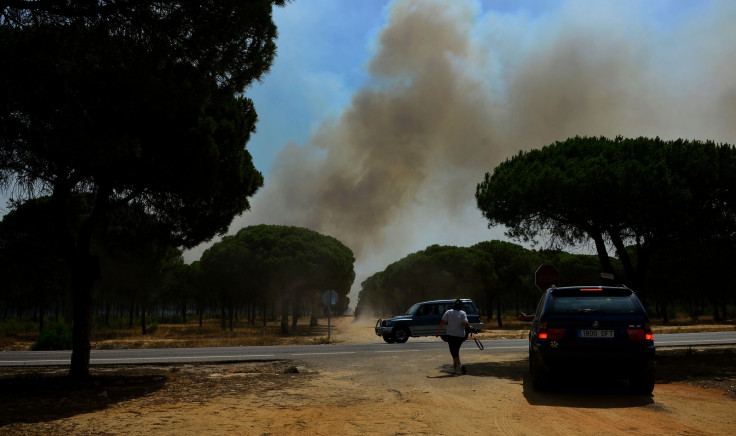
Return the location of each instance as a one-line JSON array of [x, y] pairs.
[[453, 91]]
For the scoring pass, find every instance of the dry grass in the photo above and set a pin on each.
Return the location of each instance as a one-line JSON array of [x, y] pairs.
[[191, 335], [210, 334], [188, 335]]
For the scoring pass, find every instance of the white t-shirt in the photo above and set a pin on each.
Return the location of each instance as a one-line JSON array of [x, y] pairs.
[[455, 320]]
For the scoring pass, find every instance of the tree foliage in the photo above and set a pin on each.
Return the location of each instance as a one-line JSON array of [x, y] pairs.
[[649, 194], [437, 272], [33, 275], [284, 265], [130, 102]]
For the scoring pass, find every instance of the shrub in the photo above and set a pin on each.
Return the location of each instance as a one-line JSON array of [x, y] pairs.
[[57, 337]]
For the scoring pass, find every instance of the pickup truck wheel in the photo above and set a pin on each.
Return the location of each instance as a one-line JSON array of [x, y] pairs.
[[401, 334], [389, 339]]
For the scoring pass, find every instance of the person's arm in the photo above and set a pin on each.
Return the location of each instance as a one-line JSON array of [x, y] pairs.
[[524, 317], [442, 324], [466, 324]]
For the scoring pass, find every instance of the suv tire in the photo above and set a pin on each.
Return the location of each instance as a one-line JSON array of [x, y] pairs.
[[539, 374], [389, 339], [401, 334], [643, 382]]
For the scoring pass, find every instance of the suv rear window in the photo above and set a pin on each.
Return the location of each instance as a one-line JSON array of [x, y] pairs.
[[593, 303]]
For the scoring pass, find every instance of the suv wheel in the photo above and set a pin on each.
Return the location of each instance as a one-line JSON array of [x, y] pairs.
[[643, 382], [401, 334], [389, 339], [539, 374]]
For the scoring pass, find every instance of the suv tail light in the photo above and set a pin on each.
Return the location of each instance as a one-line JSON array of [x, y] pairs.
[[644, 334], [550, 333]]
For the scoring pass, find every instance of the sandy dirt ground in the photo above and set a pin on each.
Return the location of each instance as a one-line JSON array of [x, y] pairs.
[[695, 394]]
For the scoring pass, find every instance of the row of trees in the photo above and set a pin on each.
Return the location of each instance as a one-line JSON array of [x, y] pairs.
[[136, 255], [497, 275], [666, 208], [270, 265], [260, 271]]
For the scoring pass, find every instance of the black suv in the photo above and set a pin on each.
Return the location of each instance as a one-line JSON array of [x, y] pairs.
[[594, 329], [422, 319]]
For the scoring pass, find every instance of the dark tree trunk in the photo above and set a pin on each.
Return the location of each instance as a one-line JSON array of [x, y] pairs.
[[143, 320], [665, 315], [40, 315], [716, 315], [83, 278], [600, 248], [183, 310], [108, 308], [498, 310], [284, 317], [294, 315], [132, 314]]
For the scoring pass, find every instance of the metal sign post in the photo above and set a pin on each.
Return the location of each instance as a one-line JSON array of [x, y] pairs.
[[329, 299]]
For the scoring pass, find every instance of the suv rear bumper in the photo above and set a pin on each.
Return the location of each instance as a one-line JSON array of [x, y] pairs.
[[612, 360]]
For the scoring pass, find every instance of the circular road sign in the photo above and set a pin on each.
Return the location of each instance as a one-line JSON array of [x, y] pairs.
[[329, 298], [545, 277]]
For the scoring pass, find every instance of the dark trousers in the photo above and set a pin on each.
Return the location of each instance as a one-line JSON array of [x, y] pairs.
[[455, 342]]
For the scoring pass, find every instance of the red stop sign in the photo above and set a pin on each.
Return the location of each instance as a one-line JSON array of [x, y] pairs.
[[546, 276]]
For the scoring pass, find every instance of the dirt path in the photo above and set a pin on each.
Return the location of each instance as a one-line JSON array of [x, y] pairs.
[[383, 396]]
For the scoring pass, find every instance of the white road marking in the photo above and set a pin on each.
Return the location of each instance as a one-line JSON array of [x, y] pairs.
[[319, 354]]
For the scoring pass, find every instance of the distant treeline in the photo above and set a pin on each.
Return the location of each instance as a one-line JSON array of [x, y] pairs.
[[499, 277], [262, 273]]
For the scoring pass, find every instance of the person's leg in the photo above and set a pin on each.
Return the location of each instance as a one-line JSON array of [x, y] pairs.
[[456, 358], [455, 352]]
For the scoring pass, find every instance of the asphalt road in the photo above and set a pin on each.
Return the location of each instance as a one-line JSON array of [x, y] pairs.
[[311, 352]]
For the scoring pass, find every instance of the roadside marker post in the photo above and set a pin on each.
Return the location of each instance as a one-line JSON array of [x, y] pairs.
[[329, 299]]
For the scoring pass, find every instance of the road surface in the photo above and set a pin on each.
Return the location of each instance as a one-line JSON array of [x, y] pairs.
[[422, 346]]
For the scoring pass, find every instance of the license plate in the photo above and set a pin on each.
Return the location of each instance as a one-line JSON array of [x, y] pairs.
[[595, 333]]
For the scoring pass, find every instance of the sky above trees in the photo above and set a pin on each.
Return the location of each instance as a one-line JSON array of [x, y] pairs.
[[378, 119]]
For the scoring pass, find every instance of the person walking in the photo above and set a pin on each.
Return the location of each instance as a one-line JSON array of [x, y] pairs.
[[456, 321]]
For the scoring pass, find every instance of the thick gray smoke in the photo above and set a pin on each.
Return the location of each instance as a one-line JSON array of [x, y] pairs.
[[454, 91]]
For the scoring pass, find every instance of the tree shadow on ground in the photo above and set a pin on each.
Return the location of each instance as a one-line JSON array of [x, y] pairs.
[[704, 366], [511, 370], [40, 395]]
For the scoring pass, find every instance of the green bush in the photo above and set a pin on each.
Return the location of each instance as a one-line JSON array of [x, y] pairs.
[[15, 326], [56, 337]]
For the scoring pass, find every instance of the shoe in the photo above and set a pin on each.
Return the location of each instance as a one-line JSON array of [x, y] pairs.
[[463, 370], [454, 371]]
